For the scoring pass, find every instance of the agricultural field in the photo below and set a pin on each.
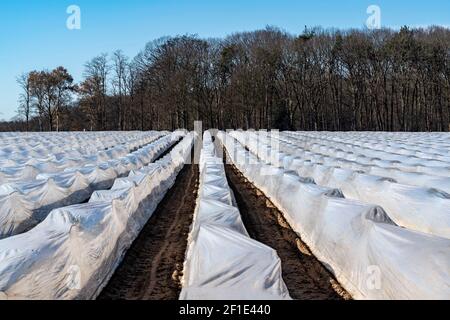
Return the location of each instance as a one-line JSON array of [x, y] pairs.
[[236, 215]]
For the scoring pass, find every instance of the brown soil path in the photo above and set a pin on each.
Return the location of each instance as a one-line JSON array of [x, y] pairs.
[[305, 277], [153, 266]]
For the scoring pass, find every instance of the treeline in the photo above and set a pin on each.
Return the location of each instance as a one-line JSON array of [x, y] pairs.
[[319, 80]]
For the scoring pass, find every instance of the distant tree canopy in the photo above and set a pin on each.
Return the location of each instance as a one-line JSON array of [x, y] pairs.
[[319, 80]]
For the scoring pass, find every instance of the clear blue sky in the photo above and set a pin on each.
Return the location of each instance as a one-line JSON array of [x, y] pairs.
[[33, 33]]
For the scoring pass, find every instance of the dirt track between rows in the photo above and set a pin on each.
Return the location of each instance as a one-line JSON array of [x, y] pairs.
[[153, 266], [305, 277]]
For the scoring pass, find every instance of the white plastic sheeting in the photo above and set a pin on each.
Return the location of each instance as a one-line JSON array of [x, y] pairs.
[[24, 205], [417, 208], [332, 153], [73, 253], [222, 262], [382, 147], [326, 145], [370, 256], [21, 147], [62, 152]]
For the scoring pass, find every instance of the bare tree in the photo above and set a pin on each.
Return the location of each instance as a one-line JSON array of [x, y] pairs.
[[120, 68], [96, 73], [25, 98], [62, 82]]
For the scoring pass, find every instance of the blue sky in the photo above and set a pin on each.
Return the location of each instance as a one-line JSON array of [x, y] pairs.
[[33, 33]]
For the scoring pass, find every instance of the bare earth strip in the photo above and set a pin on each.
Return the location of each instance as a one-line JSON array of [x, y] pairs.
[[305, 277], [153, 266]]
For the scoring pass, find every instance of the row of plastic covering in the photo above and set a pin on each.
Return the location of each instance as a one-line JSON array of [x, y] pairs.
[[422, 209], [381, 148], [67, 149], [342, 160], [222, 262], [41, 144], [370, 255], [21, 147], [73, 253], [416, 208], [429, 164], [29, 169], [416, 144], [368, 156], [24, 205]]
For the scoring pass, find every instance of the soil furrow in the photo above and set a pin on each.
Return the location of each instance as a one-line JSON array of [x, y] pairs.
[[305, 277], [152, 268]]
